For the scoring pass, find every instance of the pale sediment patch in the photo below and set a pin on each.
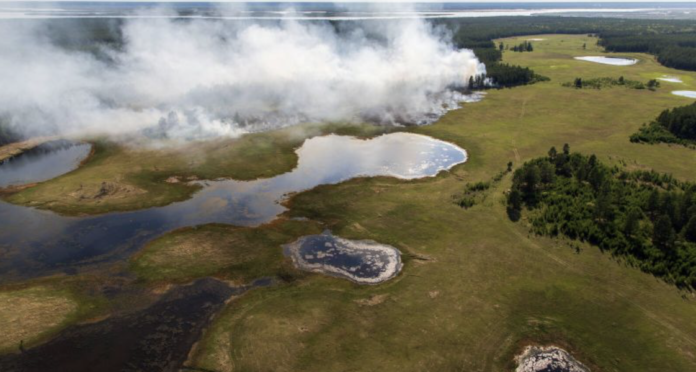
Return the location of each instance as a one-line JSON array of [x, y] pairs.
[[547, 359], [361, 261], [536, 39], [685, 93], [609, 60]]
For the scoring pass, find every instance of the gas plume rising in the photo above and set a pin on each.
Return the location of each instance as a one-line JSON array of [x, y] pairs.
[[199, 79]]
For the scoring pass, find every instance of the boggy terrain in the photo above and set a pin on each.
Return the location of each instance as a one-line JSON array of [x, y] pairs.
[[475, 289]]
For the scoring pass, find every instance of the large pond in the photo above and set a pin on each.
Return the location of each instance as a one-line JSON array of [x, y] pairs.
[[685, 93], [609, 60], [35, 241], [43, 162], [360, 261]]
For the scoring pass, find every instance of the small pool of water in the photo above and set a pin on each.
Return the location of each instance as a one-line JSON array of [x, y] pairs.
[[609, 60], [361, 261], [35, 241], [42, 163], [548, 359], [671, 79], [685, 93]]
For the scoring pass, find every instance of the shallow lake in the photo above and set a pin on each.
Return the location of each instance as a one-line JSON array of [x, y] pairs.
[[34, 241], [671, 79], [360, 261], [609, 60], [42, 163], [685, 93]]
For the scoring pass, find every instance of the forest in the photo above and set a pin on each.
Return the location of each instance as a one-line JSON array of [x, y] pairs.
[[646, 218], [677, 125], [673, 42], [609, 82]]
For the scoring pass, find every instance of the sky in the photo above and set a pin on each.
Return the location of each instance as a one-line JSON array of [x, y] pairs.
[[390, 1]]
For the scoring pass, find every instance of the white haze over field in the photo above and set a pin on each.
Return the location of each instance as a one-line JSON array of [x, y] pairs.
[[200, 79]]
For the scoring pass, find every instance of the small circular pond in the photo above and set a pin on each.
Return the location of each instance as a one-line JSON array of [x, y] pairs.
[[360, 261], [547, 359]]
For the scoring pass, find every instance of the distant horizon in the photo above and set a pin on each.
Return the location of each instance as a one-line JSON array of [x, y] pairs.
[[366, 2]]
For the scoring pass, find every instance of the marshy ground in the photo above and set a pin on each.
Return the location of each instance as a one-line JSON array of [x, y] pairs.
[[475, 288]]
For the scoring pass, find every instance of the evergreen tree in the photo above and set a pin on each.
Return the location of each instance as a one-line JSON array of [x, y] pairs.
[[632, 222], [578, 83], [690, 229], [663, 234]]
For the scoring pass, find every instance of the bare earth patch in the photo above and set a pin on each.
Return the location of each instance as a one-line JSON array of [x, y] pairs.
[[29, 313]]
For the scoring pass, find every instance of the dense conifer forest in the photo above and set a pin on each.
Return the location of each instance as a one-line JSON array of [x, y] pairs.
[[677, 125], [646, 218], [673, 42]]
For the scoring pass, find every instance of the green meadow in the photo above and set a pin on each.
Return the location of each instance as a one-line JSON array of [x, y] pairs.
[[475, 288]]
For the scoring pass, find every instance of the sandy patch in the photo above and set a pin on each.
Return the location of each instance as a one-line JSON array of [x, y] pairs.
[[372, 300]]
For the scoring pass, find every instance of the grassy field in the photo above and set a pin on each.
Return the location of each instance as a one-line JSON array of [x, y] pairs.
[[32, 313], [475, 287], [481, 287]]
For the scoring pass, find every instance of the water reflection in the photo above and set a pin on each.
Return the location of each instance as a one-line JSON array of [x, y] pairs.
[[609, 60], [33, 241], [42, 163]]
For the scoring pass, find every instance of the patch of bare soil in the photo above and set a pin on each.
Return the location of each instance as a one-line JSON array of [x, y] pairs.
[[372, 300]]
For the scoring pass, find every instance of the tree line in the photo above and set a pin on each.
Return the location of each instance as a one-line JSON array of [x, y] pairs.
[[647, 218], [677, 125], [673, 42]]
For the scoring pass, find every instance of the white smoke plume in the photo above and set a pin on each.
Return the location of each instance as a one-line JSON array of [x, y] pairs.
[[198, 79]]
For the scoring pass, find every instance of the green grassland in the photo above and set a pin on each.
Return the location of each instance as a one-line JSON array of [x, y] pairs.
[[241, 254], [475, 287], [32, 312]]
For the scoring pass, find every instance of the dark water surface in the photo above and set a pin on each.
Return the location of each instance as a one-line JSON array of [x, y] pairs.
[[35, 242], [43, 162], [361, 261], [157, 338]]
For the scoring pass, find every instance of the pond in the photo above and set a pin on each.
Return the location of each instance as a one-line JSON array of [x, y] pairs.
[[33, 242], [685, 93], [360, 261], [671, 79], [46, 161], [609, 60], [548, 359]]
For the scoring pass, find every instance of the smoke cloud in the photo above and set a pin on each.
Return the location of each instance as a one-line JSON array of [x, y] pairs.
[[200, 79]]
